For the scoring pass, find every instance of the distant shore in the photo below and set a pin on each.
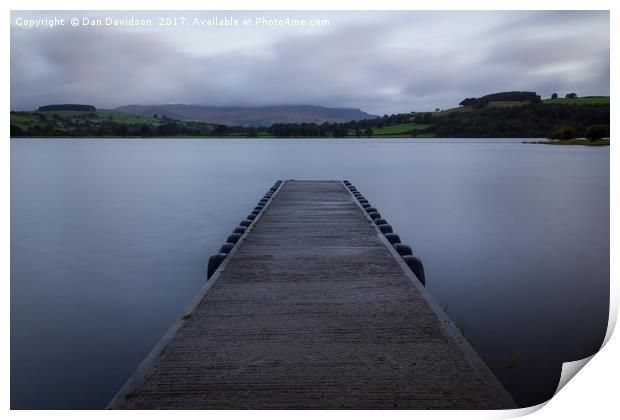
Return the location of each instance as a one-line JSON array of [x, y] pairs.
[[574, 142], [519, 115]]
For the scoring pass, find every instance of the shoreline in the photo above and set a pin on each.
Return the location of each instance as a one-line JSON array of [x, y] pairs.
[[575, 142], [274, 137]]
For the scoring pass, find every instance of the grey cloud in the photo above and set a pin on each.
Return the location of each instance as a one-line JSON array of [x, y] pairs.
[[361, 64]]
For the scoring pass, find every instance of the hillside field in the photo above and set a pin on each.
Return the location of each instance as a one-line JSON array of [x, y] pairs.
[[399, 129], [586, 100]]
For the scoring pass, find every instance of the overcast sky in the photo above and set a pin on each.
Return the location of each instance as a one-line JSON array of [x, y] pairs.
[[380, 62]]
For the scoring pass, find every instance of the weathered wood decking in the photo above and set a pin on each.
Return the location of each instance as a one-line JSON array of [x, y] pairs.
[[313, 309]]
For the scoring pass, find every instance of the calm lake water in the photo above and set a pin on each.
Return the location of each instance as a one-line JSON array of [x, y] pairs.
[[110, 240]]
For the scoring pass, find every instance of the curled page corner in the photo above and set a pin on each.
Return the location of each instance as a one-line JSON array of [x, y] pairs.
[[520, 412], [613, 318], [569, 370]]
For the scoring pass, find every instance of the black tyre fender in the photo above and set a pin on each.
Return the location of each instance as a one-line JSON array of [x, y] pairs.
[[403, 249], [214, 262], [225, 249], [392, 238], [415, 264], [385, 229], [233, 238]]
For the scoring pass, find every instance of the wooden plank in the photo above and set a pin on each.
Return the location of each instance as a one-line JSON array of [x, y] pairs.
[[313, 309]]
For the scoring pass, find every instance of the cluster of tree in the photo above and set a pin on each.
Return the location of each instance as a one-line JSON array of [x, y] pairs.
[[299, 130], [564, 132], [572, 95], [316, 130], [592, 133], [361, 128], [515, 96], [67, 107], [597, 132], [533, 120]]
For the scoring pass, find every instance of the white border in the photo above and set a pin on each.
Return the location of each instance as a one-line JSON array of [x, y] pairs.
[[591, 394]]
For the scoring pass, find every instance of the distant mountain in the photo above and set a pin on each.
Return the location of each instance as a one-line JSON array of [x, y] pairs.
[[248, 116]]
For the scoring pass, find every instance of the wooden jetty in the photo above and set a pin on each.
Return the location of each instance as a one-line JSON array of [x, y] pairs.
[[312, 309]]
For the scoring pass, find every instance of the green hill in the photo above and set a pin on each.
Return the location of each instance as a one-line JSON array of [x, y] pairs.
[[528, 120], [586, 100]]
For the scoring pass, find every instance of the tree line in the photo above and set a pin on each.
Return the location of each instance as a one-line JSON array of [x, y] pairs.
[[91, 125]]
